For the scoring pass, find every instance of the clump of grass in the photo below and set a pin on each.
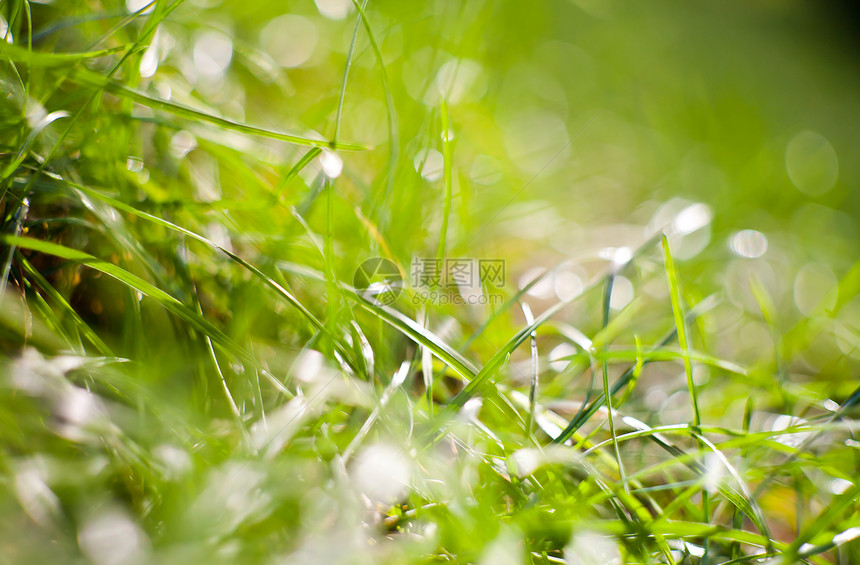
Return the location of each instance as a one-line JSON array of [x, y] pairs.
[[188, 374]]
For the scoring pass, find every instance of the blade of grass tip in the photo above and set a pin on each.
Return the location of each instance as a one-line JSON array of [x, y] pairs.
[[35, 301], [396, 382], [379, 239], [233, 407], [681, 326], [447, 155], [363, 349], [607, 393], [737, 517], [95, 80], [349, 56], [768, 311], [305, 160], [426, 361], [17, 224], [530, 319], [393, 140], [29, 15], [18, 54]]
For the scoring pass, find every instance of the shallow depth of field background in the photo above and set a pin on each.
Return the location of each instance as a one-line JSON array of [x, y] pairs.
[[577, 130]]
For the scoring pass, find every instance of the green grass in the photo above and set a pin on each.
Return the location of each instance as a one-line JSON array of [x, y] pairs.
[[187, 374]]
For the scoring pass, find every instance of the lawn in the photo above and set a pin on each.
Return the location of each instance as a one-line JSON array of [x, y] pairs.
[[355, 282]]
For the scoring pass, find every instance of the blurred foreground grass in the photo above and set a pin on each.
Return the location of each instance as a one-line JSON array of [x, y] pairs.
[[189, 375]]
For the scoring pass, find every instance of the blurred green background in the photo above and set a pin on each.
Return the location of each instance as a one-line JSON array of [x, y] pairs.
[[577, 130]]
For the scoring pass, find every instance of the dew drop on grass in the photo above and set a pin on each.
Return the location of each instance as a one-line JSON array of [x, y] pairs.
[[235, 493], [149, 61], [331, 163], [134, 164], [4, 30], [77, 406], [621, 256], [848, 535], [182, 143], [839, 486], [34, 113], [471, 410], [748, 243]]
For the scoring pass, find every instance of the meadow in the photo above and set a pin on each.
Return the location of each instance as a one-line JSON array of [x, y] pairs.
[[358, 282]]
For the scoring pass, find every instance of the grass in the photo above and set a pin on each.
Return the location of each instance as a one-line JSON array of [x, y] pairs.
[[188, 375]]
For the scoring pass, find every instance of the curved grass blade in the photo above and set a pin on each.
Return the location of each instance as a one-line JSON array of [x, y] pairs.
[[136, 283], [58, 299], [680, 325], [95, 80]]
